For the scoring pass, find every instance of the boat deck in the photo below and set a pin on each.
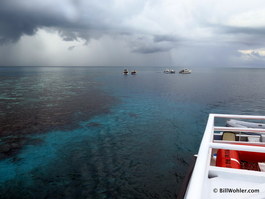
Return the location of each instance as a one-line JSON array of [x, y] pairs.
[[211, 181]]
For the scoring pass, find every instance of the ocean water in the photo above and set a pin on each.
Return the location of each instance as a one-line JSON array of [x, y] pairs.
[[92, 132]]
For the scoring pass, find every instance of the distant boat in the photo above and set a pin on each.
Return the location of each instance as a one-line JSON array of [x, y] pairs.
[[133, 72], [125, 72], [169, 71], [185, 71]]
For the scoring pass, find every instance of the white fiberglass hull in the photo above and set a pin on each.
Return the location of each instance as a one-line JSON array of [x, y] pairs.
[[215, 175], [238, 123]]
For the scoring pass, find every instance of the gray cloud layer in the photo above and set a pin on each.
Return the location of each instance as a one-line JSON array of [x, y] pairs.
[[146, 26], [19, 18]]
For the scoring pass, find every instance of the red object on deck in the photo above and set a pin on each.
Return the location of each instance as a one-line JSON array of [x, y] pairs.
[[233, 159], [228, 159], [251, 156]]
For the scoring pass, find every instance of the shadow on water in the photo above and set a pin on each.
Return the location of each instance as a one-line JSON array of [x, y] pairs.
[[113, 158], [41, 101]]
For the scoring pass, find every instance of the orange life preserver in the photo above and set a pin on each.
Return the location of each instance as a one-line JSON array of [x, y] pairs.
[[228, 158]]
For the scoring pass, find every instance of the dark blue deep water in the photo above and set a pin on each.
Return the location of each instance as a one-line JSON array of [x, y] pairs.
[[91, 132]]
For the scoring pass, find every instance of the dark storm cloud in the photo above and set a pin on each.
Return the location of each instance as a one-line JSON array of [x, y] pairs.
[[243, 30], [73, 21], [71, 47], [165, 38], [249, 36], [68, 36], [12, 26], [15, 22], [148, 44], [150, 49], [17, 19]]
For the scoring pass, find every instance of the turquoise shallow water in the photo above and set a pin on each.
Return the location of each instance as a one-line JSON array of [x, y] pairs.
[[95, 133]]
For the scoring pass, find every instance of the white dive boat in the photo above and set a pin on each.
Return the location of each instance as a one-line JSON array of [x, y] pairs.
[[185, 71], [169, 71], [228, 168]]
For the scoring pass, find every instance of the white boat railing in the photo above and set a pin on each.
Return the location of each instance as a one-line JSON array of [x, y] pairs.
[[233, 129], [198, 181]]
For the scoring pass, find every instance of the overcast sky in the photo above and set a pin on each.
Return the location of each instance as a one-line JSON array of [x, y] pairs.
[[192, 33]]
